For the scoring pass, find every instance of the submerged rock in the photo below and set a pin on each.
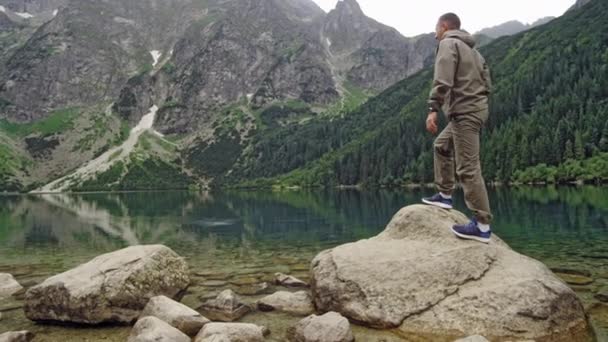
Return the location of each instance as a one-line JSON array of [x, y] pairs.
[[8, 285], [17, 336], [575, 279], [176, 314], [112, 288], [231, 332], [252, 290], [418, 277], [227, 307], [152, 329], [602, 294], [298, 303], [288, 281], [330, 327]]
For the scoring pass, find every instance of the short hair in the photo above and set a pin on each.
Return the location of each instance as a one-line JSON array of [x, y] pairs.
[[452, 20]]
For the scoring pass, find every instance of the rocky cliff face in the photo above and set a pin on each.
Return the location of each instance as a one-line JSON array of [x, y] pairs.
[[369, 54], [257, 51], [87, 52]]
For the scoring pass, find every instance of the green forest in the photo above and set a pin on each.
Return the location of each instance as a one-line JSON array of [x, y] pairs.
[[548, 120]]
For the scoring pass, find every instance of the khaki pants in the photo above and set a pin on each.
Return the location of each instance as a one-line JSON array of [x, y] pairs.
[[457, 147]]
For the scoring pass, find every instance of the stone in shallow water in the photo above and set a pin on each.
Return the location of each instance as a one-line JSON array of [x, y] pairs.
[[298, 303], [112, 288], [602, 294], [418, 277], [288, 281], [232, 332], [17, 336], [212, 275], [253, 290], [176, 314], [300, 267], [8, 285], [227, 307], [152, 329], [563, 270], [214, 283], [574, 279], [245, 281], [330, 327]]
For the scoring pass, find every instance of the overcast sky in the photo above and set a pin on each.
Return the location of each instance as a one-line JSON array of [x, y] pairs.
[[413, 17]]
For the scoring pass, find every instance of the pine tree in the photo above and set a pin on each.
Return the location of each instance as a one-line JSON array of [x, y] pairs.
[[569, 150], [604, 140], [579, 149]]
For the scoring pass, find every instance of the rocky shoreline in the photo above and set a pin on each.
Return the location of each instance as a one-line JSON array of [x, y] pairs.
[[414, 279]]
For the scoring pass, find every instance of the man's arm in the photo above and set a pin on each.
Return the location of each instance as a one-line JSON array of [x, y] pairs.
[[445, 70]]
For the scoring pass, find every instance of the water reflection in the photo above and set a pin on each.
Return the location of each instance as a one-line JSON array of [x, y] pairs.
[[525, 217]]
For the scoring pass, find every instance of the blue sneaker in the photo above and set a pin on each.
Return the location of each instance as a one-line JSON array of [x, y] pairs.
[[470, 231], [438, 201]]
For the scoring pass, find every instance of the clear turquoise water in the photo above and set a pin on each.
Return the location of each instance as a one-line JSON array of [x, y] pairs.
[[244, 237]]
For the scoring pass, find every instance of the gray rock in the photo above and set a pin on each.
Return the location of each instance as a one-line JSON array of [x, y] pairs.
[[17, 336], [475, 338], [418, 277], [176, 314], [152, 329], [113, 287], [298, 303], [330, 327], [227, 307], [288, 281], [8, 285], [232, 332]]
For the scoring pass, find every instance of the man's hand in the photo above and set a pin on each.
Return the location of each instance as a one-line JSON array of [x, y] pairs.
[[431, 123]]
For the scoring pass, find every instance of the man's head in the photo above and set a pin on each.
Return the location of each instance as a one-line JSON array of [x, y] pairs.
[[446, 22]]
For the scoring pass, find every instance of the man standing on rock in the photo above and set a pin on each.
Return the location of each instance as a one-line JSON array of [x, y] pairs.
[[461, 87]]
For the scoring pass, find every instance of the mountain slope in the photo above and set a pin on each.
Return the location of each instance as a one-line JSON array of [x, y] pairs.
[[548, 106]]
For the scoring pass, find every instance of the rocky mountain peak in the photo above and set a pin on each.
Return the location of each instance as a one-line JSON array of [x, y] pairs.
[[349, 7], [347, 27]]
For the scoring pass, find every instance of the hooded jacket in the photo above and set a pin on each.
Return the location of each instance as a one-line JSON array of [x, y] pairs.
[[462, 83]]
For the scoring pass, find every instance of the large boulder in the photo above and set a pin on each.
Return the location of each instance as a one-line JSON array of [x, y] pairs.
[[231, 332], [8, 285], [330, 327], [176, 314], [152, 329], [418, 277], [297, 303], [112, 288]]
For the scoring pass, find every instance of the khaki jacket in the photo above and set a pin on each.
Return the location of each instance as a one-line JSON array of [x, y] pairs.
[[462, 80]]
